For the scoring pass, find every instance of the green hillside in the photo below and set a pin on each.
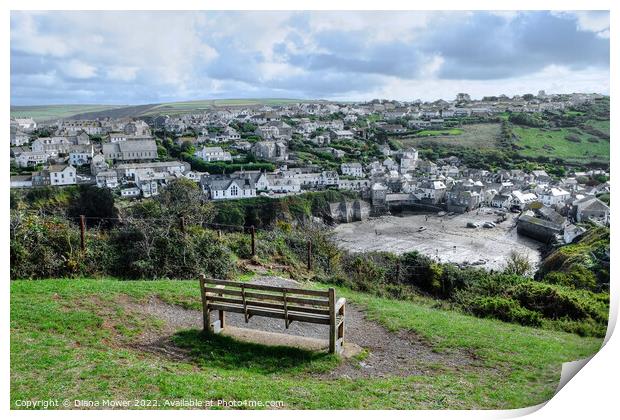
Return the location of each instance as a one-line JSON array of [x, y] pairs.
[[52, 112]]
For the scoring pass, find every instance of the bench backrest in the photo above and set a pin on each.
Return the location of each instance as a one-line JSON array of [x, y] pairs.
[[289, 303]]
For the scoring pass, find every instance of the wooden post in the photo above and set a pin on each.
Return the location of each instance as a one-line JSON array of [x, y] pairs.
[[82, 231], [340, 336], [309, 259], [219, 234], [203, 294], [253, 232], [398, 272], [332, 320]]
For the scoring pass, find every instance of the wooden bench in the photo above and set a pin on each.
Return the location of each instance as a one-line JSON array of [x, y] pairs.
[[289, 304]]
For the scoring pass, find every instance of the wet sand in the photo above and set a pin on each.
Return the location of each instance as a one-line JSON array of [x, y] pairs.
[[446, 238]]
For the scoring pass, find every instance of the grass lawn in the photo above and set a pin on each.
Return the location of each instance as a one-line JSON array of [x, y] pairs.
[[471, 135], [445, 132], [76, 339], [554, 144]]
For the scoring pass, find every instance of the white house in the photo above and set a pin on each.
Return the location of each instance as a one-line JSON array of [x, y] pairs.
[[342, 134], [130, 192], [18, 138], [213, 154], [554, 196], [520, 199], [55, 175], [352, 169], [26, 159], [26, 124], [227, 187], [107, 179], [81, 155]]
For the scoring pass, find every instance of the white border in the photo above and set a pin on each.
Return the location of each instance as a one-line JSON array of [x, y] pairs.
[[590, 394]]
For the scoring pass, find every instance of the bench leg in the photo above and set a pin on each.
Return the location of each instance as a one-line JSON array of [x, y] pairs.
[[218, 325], [222, 319], [207, 321], [332, 320], [340, 332]]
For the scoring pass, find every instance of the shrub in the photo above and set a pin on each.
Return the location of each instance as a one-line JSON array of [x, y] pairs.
[[578, 277], [555, 302], [505, 309]]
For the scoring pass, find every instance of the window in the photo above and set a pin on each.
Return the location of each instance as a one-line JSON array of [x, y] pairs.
[[234, 191]]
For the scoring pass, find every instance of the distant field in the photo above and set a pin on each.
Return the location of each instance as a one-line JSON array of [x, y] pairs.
[[585, 147], [474, 136], [52, 112]]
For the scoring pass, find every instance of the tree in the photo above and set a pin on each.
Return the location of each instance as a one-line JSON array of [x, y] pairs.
[[162, 152], [97, 204], [182, 198], [518, 264], [188, 147]]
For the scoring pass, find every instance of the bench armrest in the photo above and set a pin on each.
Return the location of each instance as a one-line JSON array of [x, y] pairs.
[[340, 303]]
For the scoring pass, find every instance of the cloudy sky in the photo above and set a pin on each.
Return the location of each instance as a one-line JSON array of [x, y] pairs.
[[150, 57]]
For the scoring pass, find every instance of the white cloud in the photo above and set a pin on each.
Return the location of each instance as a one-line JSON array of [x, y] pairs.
[[590, 21], [176, 55], [25, 37], [79, 69], [123, 73]]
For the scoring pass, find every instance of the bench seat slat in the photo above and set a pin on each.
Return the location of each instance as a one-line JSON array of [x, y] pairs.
[[265, 296], [289, 290], [271, 313], [293, 308]]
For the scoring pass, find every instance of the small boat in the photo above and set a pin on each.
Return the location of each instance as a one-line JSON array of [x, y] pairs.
[[421, 229]]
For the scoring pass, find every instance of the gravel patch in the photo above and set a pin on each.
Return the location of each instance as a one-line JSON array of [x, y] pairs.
[[385, 353]]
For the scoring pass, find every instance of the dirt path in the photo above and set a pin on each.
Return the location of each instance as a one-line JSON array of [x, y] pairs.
[[386, 353]]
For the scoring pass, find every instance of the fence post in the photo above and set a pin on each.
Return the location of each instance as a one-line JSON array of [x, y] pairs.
[[398, 272], [309, 255], [82, 231], [253, 232]]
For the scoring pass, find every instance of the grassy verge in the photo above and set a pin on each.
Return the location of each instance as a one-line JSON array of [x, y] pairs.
[[76, 339], [583, 147]]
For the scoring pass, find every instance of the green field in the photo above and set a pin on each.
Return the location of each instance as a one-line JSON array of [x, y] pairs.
[[534, 142], [445, 132], [602, 126], [52, 112], [76, 339], [474, 136]]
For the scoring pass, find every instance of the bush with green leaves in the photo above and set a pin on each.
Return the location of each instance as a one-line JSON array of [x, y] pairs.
[[505, 309], [556, 302]]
